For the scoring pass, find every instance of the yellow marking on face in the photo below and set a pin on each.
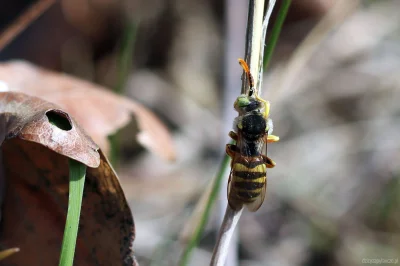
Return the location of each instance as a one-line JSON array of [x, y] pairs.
[[267, 107]]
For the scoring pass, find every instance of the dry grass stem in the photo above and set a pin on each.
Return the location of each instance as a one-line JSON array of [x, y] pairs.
[[255, 41], [23, 21], [221, 249], [341, 10], [271, 5]]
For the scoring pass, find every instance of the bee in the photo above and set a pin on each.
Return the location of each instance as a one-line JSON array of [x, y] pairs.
[[252, 127]]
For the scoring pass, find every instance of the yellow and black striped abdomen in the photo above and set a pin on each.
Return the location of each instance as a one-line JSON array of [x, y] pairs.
[[248, 180]]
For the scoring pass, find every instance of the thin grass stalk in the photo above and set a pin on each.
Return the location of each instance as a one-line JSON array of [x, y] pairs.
[[228, 226], [8, 252], [77, 173], [231, 216], [124, 64], [125, 56], [336, 15], [199, 231], [252, 55], [23, 21], [236, 22], [235, 32], [253, 39], [276, 31]]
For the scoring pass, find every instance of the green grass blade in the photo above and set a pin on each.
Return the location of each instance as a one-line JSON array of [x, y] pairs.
[[124, 64], [125, 56], [194, 240], [77, 172], [276, 31]]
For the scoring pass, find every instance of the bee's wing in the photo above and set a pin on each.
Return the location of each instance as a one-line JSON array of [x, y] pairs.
[[232, 200], [228, 187], [254, 206]]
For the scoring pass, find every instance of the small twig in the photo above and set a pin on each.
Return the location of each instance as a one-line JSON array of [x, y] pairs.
[[8, 252], [23, 21]]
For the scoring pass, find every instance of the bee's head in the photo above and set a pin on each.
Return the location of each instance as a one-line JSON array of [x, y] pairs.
[[245, 104]]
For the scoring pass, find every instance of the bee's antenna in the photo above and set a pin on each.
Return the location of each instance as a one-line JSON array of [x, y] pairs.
[[249, 76]]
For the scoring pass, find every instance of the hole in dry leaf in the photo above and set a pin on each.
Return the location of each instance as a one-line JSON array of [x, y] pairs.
[[59, 119]]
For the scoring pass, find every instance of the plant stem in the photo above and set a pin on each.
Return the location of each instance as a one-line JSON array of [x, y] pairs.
[[124, 64], [336, 15], [77, 172], [226, 231], [253, 39], [8, 252], [23, 21], [254, 50], [213, 196], [125, 56], [276, 31]]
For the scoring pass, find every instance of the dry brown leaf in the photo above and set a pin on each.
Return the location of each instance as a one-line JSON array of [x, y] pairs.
[[100, 112], [34, 178]]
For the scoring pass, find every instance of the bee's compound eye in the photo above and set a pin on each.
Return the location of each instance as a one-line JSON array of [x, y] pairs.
[[242, 101]]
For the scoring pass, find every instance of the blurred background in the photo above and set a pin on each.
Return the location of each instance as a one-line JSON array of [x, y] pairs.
[[333, 84]]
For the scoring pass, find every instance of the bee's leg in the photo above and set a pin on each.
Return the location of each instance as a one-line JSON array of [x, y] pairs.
[[268, 162], [231, 149], [233, 135], [271, 138]]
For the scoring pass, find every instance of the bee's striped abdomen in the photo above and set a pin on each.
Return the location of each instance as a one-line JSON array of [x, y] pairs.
[[248, 179]]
